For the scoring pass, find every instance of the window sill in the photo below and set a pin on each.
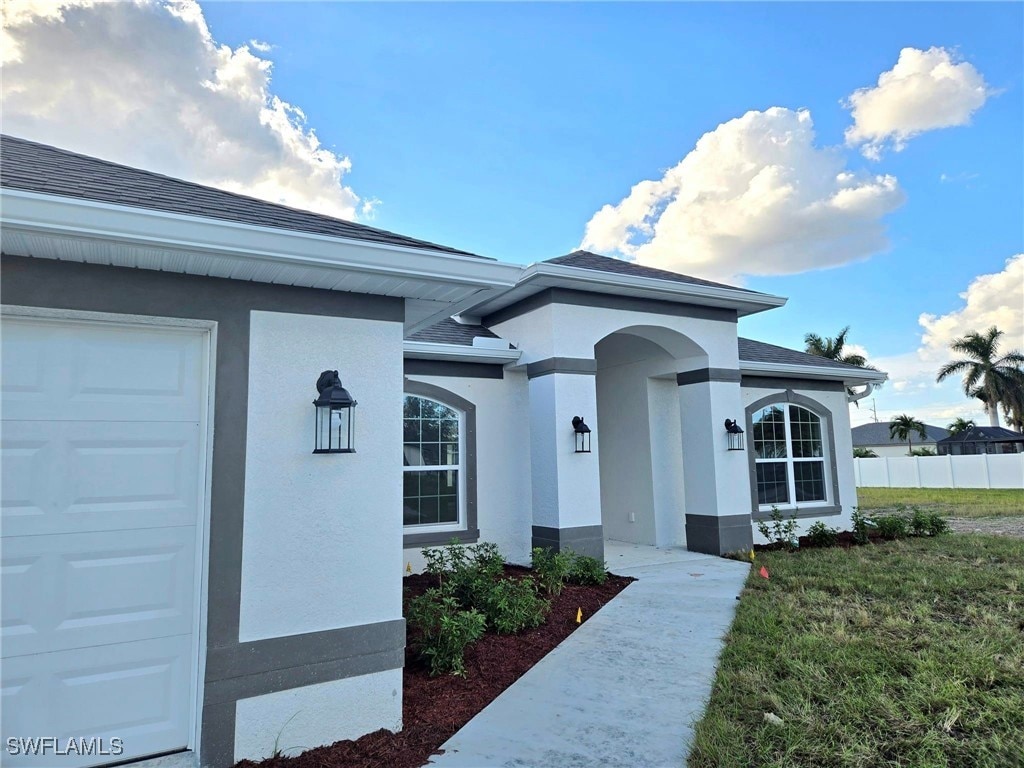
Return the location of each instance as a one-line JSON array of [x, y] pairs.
[[464, 536], [802, 513]]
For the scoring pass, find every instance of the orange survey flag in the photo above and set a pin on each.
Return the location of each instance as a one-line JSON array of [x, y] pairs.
[[763, 572]]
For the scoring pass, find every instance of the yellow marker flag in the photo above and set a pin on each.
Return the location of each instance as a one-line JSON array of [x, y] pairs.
[[751, 555], [408, 567], [579, 615]]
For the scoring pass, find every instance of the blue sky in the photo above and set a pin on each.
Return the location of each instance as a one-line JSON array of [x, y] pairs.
[[503, 129]]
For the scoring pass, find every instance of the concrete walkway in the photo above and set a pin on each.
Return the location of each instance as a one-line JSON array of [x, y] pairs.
[[626, 688]]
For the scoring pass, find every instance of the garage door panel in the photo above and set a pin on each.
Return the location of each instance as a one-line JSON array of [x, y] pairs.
[[138, 692], [103, 483], [101, 372], [62, 477], [79, 590]]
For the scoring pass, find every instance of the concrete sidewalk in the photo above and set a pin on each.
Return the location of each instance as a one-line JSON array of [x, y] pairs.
[[626, 688]]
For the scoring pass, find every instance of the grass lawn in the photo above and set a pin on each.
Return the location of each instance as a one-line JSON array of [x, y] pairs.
[[949, 502], [909, 653]]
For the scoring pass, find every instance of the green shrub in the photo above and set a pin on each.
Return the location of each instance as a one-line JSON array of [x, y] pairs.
[[820, 535], [513, 605], [893, 526], [781, 531], [864, 453], [861, 527], [467, 573], [927, 524], [445, 630], [551, 568], [587, 570]]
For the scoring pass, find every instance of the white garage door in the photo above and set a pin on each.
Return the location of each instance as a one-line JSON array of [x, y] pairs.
[[103, 467]]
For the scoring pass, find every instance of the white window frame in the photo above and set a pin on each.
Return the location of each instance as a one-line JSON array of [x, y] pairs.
[[790, 459], [460, 523]]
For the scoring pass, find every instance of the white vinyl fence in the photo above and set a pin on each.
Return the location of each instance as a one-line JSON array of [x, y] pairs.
[[982, 471]]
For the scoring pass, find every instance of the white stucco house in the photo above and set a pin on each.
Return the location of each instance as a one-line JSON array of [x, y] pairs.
[[182, 572]]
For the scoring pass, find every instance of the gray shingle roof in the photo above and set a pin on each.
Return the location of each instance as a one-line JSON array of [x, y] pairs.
[[759, 352], [34, 167], [450, 331], [878, 434], [983, 435], [588, 260]]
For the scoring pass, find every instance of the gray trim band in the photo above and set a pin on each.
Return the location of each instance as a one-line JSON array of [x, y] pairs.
[[607, 301], [460, 369], [579, 365], [778, 382], [583, 540], [799, 514], [122, 290], [716, 535], [789, 396], [413, 387], [412, 540], [700, 375]]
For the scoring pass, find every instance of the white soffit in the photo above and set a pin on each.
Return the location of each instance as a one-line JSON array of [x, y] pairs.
[[854, 376], [538, 277], [71, 229]]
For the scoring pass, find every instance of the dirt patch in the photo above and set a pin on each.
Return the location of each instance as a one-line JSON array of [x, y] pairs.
[[999, 526], [434, 708]]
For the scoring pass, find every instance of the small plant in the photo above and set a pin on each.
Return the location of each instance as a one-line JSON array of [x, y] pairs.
[[927, 524], [820, 535], [551, 568], [445, 630], [864, 453], [781, 532], [514, 605], [923, 452], [587, 570], [467, 573], [893, 526], [861, 527]]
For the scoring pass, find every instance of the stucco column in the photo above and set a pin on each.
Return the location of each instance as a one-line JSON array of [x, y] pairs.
[[566, 485], [716, 480]]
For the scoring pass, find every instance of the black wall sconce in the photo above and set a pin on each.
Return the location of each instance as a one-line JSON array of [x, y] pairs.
[[734, 435], [335, 416], [581, 433]]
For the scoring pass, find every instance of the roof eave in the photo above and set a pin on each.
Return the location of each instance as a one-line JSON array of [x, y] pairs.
[[423, 350], [852, 377], [544, 275]]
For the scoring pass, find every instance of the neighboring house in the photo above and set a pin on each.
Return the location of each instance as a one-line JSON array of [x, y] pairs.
[[182, 572], [982, 440], [874, 436]]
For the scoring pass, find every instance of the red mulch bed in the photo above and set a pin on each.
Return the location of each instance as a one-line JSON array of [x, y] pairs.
[[434, 708]]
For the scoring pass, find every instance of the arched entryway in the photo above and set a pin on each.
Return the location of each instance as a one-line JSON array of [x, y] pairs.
[[641, 457]]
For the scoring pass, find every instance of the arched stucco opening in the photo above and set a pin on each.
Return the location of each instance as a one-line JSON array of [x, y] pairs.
[[640, 432]]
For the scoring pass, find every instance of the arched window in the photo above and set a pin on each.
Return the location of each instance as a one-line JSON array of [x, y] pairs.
[[789, 456], [433, 458]]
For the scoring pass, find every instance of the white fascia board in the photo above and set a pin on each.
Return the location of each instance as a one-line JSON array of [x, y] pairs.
[[812, 372], [55, 215], [423, 350], [665, 289]]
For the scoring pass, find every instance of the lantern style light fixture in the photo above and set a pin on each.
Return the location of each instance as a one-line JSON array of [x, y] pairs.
[[734, 435], [581, 434], [335, 416]]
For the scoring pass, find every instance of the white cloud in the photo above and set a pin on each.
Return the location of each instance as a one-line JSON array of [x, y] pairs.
[[143, 82], [755, 196], [926, 90], [995, 299]]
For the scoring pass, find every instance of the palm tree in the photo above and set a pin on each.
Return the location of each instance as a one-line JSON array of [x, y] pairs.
[[960, 425], [901, 427], [992, 379], [832, 349]]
